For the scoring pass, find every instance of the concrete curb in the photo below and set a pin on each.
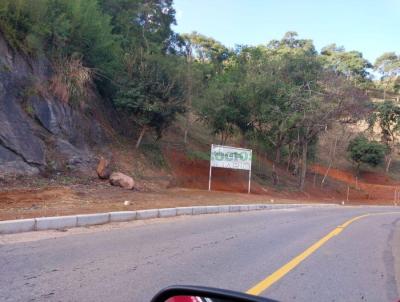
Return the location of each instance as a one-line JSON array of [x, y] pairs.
[[17, 226], [92, 219], [169, 212], [123, 216], [63, 222], [51, 223], [147, 214]]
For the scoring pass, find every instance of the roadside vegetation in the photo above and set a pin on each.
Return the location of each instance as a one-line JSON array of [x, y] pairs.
[[277, 98]]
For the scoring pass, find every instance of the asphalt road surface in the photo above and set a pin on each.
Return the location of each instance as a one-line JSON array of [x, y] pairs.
[[132, 261]]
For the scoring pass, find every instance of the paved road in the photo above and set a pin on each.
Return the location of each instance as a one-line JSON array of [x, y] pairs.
[[235, 251]]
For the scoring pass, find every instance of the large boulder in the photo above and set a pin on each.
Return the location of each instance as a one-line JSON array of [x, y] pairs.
[[122, 180], [103, 168]]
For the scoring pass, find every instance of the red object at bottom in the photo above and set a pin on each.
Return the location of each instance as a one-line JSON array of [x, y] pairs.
[[184, 299]]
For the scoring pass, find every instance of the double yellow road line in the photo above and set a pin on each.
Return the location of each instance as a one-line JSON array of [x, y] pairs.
[[281, 272]]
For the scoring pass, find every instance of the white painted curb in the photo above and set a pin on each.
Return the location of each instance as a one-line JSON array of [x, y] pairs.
[[51, 223], [244, 208], [123, 216], [169, 212], [92, 219], [147, 214], [63, 222], [199, 210], [17, 226], [234, 208], [224, 209], [213, 209], [184, 211]]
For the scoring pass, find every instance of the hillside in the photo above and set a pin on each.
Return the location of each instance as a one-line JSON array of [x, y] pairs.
[[85, 91]]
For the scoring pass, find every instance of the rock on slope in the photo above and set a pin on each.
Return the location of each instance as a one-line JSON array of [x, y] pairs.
[[38, 132]]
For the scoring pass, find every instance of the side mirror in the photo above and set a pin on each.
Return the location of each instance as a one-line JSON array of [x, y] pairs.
[[204, 294]]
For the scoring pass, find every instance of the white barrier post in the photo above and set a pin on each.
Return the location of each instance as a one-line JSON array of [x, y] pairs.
[[248, 190], [209, 178]]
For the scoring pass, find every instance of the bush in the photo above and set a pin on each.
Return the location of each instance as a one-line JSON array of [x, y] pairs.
[[364, 151]]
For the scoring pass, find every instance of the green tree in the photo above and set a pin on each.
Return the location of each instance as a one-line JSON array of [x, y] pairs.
[[205, 59], [150, 86], [151, 95], [364, 151], [387, 117], [349, 63], [142, 24], [223, 106], [206, 49], [388, 65]]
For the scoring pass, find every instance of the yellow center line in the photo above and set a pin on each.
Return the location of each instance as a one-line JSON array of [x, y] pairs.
[[281, 272]]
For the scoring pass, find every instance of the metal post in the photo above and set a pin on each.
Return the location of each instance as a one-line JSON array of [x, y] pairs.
[[248, 190], [398, 195], [348, 193], [209, 173], [209, 179]]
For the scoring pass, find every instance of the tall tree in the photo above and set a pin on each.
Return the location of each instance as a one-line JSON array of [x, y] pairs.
[[388, 65], [349, 63], [151, 94], [387, 117], [204, 59]]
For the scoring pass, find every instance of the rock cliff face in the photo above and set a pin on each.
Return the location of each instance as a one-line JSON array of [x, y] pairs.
[[37, 132]]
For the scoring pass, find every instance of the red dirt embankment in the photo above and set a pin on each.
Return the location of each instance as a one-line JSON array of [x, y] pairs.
[[368, 186], [371, 188], [193, 173]]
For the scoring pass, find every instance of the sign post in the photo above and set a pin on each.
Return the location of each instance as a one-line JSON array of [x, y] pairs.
[[230, 158]]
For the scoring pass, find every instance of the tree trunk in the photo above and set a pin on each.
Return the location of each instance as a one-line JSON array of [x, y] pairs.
[[358, 169], [189, 98], [142, 132], [389, 161], [332, 153], [303, 165], [278, 155], [275, 178], [222, 138], [185, 136], [290, 157]]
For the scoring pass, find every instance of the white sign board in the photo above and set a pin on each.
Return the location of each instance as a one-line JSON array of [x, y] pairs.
[[230, 158]]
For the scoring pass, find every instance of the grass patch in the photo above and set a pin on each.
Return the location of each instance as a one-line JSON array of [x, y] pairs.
[[198, 155], [153, 153]]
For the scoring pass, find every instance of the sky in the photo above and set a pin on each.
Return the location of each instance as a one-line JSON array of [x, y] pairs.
[[369, 26]]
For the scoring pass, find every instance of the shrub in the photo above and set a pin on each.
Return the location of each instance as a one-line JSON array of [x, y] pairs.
[[364, 151]]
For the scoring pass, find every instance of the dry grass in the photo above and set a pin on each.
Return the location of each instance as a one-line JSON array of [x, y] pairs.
[[71, 80]]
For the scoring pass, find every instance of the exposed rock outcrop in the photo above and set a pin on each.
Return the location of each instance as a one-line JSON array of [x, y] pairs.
[[38, 132]]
